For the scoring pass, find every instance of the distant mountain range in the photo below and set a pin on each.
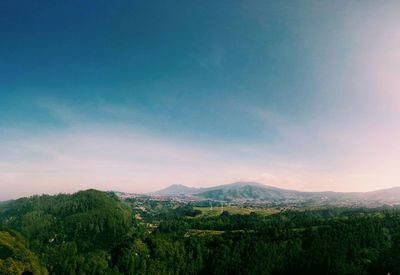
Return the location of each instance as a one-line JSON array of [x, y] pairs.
[[257, 192], [176, 189]]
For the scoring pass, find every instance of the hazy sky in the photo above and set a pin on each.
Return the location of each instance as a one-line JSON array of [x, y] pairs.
[[137, 95]]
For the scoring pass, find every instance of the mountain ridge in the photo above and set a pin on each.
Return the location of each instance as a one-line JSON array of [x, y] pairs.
[[175, 189], [254, 191]]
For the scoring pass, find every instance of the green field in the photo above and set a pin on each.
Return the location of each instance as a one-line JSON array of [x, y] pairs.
[[200, 233], [233, 209]]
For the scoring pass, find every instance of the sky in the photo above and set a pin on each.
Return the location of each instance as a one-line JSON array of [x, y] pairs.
[[137, 95]]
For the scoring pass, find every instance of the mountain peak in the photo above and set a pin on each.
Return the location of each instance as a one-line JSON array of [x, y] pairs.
[[176, 189], [246, 183]]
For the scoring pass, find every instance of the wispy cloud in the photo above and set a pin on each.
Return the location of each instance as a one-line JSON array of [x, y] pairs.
[[117, 154], [91, 153]]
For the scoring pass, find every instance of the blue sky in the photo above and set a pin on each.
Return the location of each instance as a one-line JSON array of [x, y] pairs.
[[136, 95]]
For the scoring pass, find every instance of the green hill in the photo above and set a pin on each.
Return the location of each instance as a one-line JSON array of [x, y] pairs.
[[72, 232]]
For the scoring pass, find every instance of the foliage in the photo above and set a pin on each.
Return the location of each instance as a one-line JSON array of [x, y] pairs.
[[15, 256], [92, 232]]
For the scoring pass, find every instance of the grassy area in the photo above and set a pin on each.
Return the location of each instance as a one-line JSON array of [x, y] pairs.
[[201, 233], [232, 209]]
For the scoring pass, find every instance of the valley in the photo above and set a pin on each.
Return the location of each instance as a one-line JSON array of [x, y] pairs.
[[95, 232]]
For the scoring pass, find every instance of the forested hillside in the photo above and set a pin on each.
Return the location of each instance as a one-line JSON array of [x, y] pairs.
[[70, 233], [92, 232]]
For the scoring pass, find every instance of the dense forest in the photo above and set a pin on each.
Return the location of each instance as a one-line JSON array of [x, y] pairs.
[[93, 232]]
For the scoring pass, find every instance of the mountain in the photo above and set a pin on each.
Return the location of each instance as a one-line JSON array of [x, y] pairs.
[[260, 193], [247, 191], [176, 189], [233, 191], [390, 195]]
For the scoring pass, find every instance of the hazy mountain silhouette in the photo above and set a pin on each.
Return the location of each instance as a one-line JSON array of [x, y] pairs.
[[176, 189]]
